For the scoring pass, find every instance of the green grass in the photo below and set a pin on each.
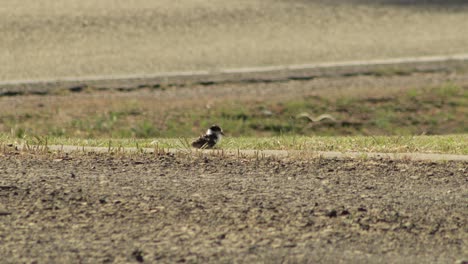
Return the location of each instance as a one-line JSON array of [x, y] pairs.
[[450, 144], [400, 122], [432, 111]]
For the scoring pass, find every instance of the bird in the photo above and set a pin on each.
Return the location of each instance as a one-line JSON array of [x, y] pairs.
[[212, 136]]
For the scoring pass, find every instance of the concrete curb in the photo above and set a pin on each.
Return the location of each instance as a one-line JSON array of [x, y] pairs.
[[272, 153], [249, 74]]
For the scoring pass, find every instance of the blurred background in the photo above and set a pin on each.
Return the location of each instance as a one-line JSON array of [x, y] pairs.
[[50, 39]]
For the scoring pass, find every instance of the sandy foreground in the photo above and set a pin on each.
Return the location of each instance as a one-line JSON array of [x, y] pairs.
[[103, 208], [70, 38]]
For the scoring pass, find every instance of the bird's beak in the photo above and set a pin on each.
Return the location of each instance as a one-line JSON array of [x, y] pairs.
[[222, 133]]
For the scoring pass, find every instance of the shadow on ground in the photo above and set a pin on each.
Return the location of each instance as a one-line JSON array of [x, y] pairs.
[[420, 2], [402, 3]]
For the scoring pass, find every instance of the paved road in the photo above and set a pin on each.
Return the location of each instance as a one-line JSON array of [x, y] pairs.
[[54, 39], [456, 62]]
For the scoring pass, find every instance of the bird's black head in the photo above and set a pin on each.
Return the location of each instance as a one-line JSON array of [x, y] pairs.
[[216, 129]]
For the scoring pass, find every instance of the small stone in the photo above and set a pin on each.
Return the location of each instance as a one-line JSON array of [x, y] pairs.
[[4, 212], [138, 255], [332, 213], [345, 212]]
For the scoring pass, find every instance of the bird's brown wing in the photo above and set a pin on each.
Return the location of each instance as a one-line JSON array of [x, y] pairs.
[[201, 142]]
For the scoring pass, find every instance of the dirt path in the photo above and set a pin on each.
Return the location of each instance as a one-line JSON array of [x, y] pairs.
[[104, 208]]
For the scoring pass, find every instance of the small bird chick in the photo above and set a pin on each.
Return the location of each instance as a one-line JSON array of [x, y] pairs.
[[213, 135]]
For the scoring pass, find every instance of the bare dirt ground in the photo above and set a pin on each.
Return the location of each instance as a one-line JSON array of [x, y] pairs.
[[103, 208], [52, 39]]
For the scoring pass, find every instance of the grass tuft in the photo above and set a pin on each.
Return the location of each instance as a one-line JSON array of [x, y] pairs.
[[449, 144]]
